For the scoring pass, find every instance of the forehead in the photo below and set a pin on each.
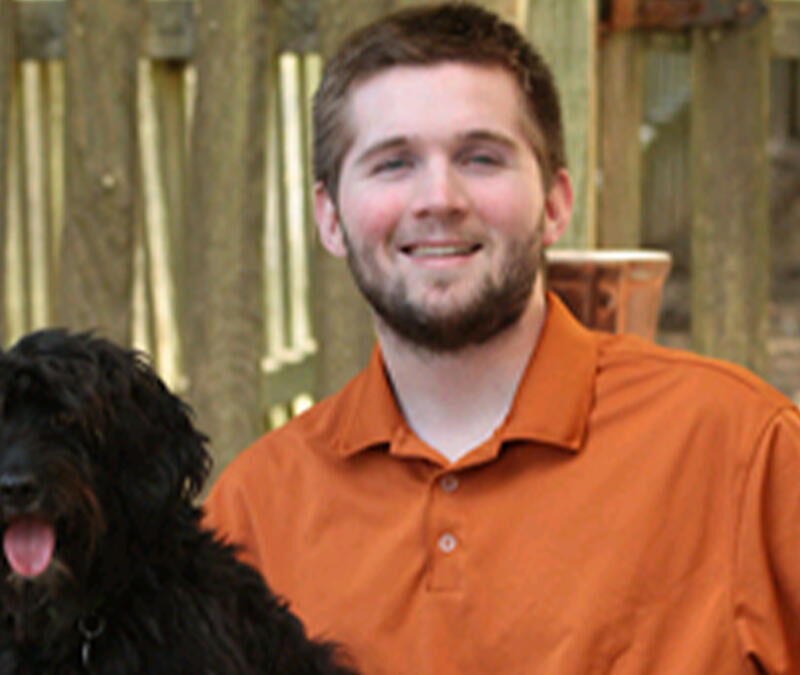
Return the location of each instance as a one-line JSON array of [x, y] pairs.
[[434, 100]]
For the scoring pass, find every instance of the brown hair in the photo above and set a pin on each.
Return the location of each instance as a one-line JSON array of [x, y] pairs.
[[424, 36]]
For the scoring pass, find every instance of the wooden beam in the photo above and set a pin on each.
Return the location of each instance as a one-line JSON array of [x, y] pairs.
[[785, 29], [223, 247], [101, 153], [169, 29], [7, 61], [565, 33], [168, 26], [40, 29], [730, 229], [297, 29], [620, 212], [170, 32]]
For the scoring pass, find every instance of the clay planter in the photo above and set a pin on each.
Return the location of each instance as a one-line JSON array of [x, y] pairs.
[[618, 291]]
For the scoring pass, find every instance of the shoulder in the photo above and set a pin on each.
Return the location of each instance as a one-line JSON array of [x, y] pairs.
[[312, 432], [686, 385], [628, 353]]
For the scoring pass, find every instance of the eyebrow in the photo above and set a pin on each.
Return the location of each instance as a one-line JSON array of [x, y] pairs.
[[380, 146], [490, 136], [400, 141]]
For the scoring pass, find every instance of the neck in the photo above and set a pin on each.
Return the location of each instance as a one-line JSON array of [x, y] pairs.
[[455, 401]]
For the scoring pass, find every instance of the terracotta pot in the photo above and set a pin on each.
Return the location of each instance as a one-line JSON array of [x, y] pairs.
[[618, 291]]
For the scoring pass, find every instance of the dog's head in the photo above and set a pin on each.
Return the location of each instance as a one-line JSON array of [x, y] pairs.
[[94, 451]]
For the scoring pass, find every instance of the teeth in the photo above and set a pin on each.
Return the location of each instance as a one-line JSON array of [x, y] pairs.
[[429, 251]]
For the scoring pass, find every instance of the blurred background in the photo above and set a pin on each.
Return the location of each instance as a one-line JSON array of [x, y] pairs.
[[155, 185]]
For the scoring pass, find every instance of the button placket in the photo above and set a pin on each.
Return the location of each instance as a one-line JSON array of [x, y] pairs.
[[447, 551]]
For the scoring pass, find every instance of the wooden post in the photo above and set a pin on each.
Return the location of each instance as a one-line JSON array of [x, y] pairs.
[[101, 156], [565, 34], [162, 145], [7, 60], [225, 313], [619, 217], [730, 229], [17, 300], [54, 71]]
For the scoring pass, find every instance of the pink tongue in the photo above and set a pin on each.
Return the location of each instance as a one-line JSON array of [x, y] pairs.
[[28, 544]]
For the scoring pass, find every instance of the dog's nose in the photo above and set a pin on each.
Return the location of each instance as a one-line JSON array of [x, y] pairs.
[[18, 489]]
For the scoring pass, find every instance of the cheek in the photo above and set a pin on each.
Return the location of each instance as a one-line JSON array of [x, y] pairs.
[[372, 214], [510, 208]]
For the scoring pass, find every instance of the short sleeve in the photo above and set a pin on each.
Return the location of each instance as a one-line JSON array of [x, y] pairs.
[[767, 548]]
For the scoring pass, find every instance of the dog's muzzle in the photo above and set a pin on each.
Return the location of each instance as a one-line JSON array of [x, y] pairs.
[[18, 490], [28, 539]]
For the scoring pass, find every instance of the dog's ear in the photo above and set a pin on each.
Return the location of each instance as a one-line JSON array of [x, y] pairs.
[[177, 461], [186, 456]]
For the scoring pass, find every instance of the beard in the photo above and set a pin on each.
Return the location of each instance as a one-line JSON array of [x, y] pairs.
[[496, 305]]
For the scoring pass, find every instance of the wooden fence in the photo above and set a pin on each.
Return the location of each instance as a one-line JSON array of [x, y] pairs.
[[155, 182]]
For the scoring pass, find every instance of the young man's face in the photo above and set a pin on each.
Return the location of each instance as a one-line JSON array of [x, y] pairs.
[[442, 210]]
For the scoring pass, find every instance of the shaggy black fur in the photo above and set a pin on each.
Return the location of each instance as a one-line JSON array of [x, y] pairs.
[[94, 446]]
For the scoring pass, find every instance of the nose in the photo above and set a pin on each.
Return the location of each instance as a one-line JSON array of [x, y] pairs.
[[440, 192], [18, 489]]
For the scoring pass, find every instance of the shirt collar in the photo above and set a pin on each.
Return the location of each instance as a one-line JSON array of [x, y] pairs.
[[551, 406], [556, 392]]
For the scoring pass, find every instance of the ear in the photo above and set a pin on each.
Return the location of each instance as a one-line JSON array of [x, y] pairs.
[[328, 224], [557, 208]]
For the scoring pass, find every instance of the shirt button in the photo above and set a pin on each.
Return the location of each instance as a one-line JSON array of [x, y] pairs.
[[449, 483], [447, 543]]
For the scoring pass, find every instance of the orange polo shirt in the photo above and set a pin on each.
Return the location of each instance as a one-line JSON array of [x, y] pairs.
[[637, 512]]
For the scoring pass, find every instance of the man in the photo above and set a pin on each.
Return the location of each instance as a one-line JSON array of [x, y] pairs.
[[502, 490]]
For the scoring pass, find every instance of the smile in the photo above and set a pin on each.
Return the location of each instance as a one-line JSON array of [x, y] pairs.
[[440, 250]]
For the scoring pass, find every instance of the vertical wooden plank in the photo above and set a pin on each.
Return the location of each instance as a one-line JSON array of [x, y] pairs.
[[297, 216], [7, 59], [565, 34], [780, 99], [156, 219], [17, 302], [620, 203], [277, 334], [795, 120], [36, 192], [55, 95], [101, 156], [730, 229], [170, 117], [225, 309], [142, 333]]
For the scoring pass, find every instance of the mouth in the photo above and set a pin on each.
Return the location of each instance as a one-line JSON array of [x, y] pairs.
[[28, 544], [440, 250]]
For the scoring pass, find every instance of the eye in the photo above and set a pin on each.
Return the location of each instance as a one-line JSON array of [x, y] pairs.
[[482, 158], [392, 165]]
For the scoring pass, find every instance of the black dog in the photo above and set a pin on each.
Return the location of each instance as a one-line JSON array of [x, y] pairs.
[[105, 568]]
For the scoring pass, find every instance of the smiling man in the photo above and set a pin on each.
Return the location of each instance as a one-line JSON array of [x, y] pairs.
[[502, 490]]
